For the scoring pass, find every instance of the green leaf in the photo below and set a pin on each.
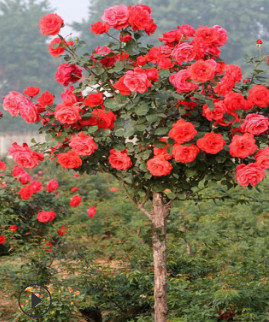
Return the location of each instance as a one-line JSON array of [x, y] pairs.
[[92, 129], [161, 131], [120, 132], [142, 109]]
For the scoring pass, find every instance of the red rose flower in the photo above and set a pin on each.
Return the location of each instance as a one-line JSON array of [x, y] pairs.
[[234, 101], [67, 114], [182, 131], [82, 144], [2, 239], [218, 112], [121, 87], [99, 28], [12, 102], [51, 24], [207, 35], [24, 156], [255, 124], [57, 46], [243, 146], [13, 228], [91, 211], [74, 189], [45, 99], [258, 95], [46, 216], [2, 166], [203, 70], [162, 151], [185, 153], [139, 17], [94, 100], [69, 160], [31, 91], [48, 247], [211, 143], [75, 201], [116, 16], [68, 73], [249, 174], [28, 111], [68, 96], [119, 159], [108, 60], [36, 186], [125, 38], [101, 118], [26, 192], [61, 231], [262, 158], [52, 185], [159, 167], [114, 189]]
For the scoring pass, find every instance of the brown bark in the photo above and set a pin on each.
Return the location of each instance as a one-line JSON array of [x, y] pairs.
[[159, 215]]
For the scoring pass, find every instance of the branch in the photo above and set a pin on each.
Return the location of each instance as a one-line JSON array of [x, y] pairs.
[[138, 206]]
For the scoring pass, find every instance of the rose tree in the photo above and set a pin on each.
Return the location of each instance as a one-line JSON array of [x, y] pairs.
[[165, 120]]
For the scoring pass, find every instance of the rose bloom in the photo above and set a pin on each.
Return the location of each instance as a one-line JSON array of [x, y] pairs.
[[67, 114], [91, 211], [183, 53], [114, 189], [202, 70], [255, 124], [24, 156], [136, 81], [234, 101], [99, 28], [48, 247], [36, 186], [116, 16], [211, 143], [2, 166], [51, 24], [13, 228], [121, 87], [258, 95], [218, 112], [69, 160], [68, 73], [2, 239], [46, 216], [208, 35], [68, 96], [159, 167], [185, 153], [26, 192], [182, 131], [262, 158], [243, 146], [179, 80], [61, 231], [74, 189], [125, 38], [249, 174], [139, 17], [107, 61], [57, 46], [94, 100], [152, 74], [119, 159], [52, 185], [28, 111], [162, 151], [82, 144], [75, 201], [45, 99], [31, 91], [12, 102], [222, 36], [101, 118], [171, 36]]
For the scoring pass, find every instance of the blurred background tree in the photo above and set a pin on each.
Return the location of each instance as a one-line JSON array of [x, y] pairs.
[[24, 58]]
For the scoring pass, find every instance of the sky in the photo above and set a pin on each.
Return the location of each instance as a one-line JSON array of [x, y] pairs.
[[71, 10]]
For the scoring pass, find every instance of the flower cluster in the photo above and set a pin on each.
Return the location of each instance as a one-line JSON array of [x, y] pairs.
[[182, 106]]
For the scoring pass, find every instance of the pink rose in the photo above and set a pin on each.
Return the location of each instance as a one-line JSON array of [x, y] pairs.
[[249, 174], [183, 53], [68, 96], [116, 16], [262, 158], [179, 80], [136, 81], [68, 73], [52, 185], [255, 124], [67, 114]]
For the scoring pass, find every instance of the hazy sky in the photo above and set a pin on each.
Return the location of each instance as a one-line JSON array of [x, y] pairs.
[[71, 10]]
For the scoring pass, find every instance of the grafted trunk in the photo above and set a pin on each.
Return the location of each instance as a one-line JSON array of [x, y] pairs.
[[159, 216]]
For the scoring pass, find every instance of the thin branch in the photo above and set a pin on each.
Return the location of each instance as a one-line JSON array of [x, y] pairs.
[[138, 206]]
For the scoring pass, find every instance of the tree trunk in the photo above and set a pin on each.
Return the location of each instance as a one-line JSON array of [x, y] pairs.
[[159, 215]]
